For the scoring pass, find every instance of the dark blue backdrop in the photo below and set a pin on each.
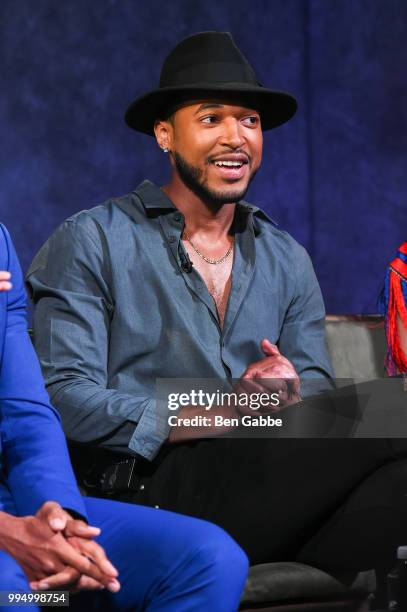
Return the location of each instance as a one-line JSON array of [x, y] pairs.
[[335, 177]]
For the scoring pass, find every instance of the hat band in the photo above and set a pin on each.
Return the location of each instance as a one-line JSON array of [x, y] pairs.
[[213, 72]]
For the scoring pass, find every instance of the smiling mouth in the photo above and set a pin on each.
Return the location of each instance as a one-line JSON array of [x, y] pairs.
[[229, 170], [229, 164]]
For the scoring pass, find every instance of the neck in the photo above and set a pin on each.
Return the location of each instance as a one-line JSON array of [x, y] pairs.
[[199, 215]]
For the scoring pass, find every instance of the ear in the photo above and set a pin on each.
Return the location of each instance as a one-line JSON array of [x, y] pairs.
[[163, 131]]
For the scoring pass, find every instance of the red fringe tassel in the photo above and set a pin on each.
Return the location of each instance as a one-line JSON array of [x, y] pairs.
[[397, 308]]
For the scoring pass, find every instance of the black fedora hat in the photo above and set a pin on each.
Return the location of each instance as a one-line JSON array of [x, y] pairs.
[[205, 65]]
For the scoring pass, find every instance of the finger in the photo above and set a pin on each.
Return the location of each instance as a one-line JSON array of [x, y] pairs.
[[267, 363], [280, 368], [65, 577], [87, 584], [114, 586], [35, 586], [55, 516], [268, 348], [296, 386], [276, 390], [70, 556], [4, 276], [249, 386], [247, 391], [291, 382], [271, 383], [96, 553], [282, 399], [254, 371], [5, 286], [81, 529], [287, 389]]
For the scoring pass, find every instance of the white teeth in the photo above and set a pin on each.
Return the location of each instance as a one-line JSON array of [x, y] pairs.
[[233, 164]]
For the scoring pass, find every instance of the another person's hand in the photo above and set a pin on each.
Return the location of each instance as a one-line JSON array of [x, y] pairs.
[[78, 533], [5, 284], [56, 551], [272, 374]]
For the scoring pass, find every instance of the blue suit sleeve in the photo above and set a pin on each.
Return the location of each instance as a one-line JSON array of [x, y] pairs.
[[34, 454]]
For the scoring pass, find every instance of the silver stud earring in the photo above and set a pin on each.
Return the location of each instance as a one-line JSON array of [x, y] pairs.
[[165, 150]]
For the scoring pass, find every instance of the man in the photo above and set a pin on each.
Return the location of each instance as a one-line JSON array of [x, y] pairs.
[[191, 282], [165, 561]]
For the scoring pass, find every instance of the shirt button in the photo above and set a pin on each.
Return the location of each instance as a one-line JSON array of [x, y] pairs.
[[178, 217], [171, 239]]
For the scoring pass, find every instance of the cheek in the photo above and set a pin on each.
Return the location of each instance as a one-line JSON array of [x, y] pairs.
[[259, 142], [257, 152], [193, 147], [205, 143]]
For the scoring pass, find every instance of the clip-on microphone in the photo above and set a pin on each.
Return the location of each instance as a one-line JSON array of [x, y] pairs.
[[186, 263]]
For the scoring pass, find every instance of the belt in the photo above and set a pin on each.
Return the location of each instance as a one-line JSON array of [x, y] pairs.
[[105, 472], [120, 476]]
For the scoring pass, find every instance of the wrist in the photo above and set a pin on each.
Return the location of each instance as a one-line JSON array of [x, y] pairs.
[[8, 524], [6, 521]]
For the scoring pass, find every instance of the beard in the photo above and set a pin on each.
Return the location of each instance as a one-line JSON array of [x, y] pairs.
[[192, 178]]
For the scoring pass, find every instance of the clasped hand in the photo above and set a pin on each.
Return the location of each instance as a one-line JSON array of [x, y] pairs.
[[56, 551], [272, 374]]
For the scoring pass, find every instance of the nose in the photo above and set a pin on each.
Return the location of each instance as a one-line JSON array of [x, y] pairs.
[[232, 134]]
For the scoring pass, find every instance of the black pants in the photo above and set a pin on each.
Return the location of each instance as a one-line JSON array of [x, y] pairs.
[[335, 504]]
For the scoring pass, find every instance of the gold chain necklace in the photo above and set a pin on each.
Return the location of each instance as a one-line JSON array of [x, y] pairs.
[[207, 259]]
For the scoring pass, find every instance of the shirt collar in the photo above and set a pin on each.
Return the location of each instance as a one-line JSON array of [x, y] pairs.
[[255, 210], [152, 196]]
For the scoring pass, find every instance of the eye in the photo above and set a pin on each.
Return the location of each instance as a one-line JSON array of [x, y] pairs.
[[209, 119], [252, 120]]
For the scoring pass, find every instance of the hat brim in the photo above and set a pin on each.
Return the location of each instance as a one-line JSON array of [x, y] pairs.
[[275, 107]]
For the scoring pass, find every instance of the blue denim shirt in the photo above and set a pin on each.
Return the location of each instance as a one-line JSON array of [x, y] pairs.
[[115, 311]]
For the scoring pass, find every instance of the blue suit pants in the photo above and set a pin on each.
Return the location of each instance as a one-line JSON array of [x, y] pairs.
[[166, 562]]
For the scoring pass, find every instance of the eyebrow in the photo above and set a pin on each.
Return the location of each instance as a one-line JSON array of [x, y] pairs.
[[208, 105]]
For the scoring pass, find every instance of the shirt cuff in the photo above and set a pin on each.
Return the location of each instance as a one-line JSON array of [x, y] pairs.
[[151, 432]]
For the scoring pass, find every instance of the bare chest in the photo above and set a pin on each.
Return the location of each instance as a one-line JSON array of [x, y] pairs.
[[218, 280]]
